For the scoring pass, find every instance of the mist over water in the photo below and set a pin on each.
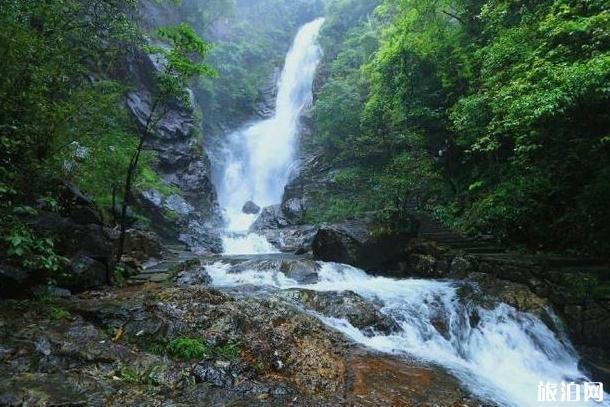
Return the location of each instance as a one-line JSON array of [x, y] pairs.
[[259, 158]]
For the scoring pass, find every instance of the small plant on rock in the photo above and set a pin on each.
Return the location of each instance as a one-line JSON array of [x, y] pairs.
[[187, 348]]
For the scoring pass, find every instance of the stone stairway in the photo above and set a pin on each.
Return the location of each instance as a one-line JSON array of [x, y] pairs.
[[177, 258], [550, 268], [431, 229]]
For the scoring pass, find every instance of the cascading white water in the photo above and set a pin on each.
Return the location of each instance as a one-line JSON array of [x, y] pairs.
[[258, 158], [501, 355]]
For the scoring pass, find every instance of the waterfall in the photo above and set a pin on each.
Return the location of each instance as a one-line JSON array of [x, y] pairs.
[[499, 353], [258, 158]]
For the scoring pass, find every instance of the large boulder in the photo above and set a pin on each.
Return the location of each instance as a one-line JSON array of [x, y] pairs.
[[195, 276], [141, 245], [13, 280], [345, 305], [301, 270], [296, 239], [250, 208], [271, 217], [355, 243], [84, 273]]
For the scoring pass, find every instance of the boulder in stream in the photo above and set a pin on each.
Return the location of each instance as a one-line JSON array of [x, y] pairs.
[[355, 242], [250, 208], [347, 305]]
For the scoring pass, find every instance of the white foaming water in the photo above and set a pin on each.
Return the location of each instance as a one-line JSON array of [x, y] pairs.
[[259, 158], [500, 354], [247, 244]]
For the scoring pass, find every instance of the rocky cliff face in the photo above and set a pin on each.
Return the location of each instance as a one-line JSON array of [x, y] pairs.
[[191, 213]]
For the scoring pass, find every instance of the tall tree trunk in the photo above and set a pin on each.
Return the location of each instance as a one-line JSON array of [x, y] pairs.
[[131, 170]]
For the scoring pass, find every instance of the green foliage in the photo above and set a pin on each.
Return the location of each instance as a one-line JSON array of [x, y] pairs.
[[149, 179], [28, 250], [228, 351], [149, 377], [187, 348], [493, 114], [59, 119], [256, 35], [182, 60], [58, 313]]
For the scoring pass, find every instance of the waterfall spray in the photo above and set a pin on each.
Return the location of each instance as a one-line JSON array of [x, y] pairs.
[[258, 158]]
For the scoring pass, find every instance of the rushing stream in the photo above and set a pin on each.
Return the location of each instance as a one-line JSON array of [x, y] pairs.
[[498, 353]]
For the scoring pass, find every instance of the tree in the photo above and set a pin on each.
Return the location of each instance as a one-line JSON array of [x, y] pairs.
[[182, 60]]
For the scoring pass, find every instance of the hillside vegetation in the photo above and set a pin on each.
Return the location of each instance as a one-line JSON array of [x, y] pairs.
[[493, 115]]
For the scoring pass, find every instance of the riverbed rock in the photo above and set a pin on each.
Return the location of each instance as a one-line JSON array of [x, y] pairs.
[[271, 217], [347, 305], [301, 270], [292, 239], [98, 348], [355, 243], [388, 381], [196, 276], [251, 208]]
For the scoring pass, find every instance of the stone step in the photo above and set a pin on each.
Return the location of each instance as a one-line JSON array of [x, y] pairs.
[[153, 278], [483, 250], [442, 236], [168, 265], [471, 245], [602, 271], [558, 261]]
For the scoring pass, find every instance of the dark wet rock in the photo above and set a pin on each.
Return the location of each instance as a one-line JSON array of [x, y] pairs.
[[178, 205], [83, 215], [84, 273], [293, 238], [347, 305], [460, 265], [142, 245], [202, 237], [90, 248], [251, 208], [303, 271], [197, 276], [427, 266], [221, 373], [271, 217], [14, 280], [354, 243], [293, 209], [589, 324], [266, 107], [93, 240], [52, 291], [72, 196], [181, 162], [516, 295]]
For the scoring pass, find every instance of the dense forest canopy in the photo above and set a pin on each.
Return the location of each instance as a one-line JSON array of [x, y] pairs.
[[493, 114]]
